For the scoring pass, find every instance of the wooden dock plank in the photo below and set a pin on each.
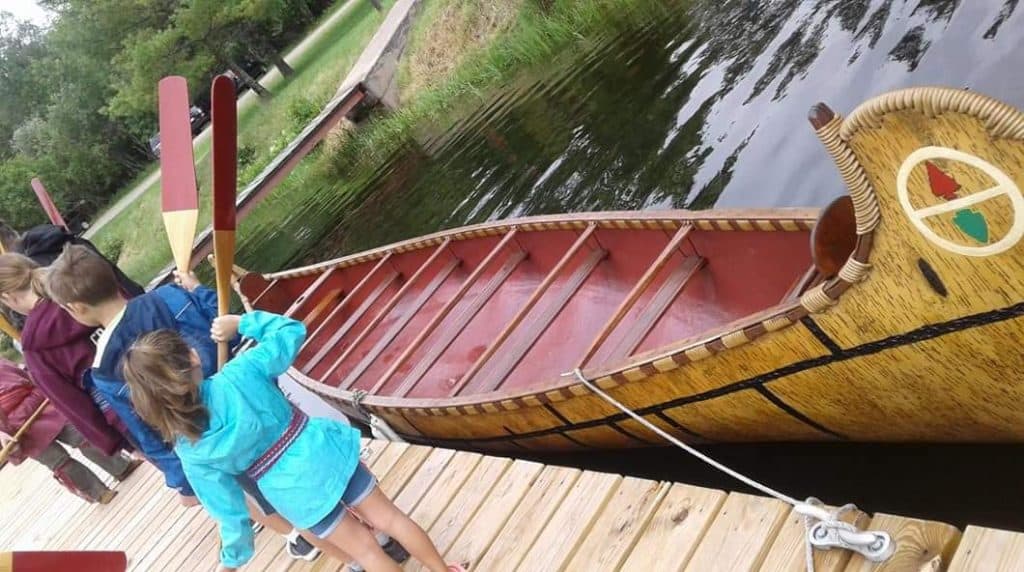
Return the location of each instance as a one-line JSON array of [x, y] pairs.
[[463, 505], [501, 516], [567, 528], [788, 552], [983, 549], [448, 483], [680, 521], [94, 514], [618, 528], [429, 472], [920, 545], [121, 511], [741, 534], [479, 532], [527, 522]]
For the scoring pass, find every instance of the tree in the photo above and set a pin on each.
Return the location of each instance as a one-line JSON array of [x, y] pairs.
[[21, 44]]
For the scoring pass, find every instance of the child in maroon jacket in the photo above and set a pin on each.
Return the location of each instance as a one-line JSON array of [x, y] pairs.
[[19, 399], [59, 353]]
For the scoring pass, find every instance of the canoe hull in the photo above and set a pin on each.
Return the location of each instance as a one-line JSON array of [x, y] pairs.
[[915, 338]]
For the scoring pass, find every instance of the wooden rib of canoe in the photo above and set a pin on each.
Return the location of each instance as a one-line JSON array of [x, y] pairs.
[[892, 315]]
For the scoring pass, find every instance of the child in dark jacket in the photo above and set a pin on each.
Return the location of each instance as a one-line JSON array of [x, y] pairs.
[[58, 352], [19, 400], [84, 284]]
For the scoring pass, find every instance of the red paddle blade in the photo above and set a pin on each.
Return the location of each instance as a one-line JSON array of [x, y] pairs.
[[78, 560], [47, 203], [225, 152], [177, 166]]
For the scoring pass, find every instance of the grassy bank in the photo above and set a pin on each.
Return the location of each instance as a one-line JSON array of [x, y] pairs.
[[134, 237]]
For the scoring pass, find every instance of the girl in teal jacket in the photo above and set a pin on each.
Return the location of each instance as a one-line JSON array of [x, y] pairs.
[[237, 421]]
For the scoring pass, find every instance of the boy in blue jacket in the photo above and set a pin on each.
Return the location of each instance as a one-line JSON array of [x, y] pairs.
[[83, 283]]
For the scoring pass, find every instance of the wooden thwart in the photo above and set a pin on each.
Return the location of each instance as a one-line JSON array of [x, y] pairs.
[[445, 310], [383, 312], [449, 334], [634, 295], [532, 301], [356, 315], [410, 312]]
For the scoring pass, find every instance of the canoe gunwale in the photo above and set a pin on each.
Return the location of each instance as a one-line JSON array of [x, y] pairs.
[[777, 219]]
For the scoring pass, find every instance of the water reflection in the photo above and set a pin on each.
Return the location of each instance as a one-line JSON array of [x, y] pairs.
[[676, 108]]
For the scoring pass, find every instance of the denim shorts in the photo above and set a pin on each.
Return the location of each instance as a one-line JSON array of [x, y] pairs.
[[249, 486], [359, 487]]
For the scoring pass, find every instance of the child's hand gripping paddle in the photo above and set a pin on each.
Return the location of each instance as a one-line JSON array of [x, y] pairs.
[[178, 191], [225, 168]]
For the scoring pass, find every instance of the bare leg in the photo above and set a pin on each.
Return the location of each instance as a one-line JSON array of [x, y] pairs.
[[355, 538], [278, 524], [382, 514]]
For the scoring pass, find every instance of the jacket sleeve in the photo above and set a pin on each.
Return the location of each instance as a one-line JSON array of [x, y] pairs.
[[5, 424], [222, 497], [144, 437], [207, 300], [45, 375], [28, 406], [279, 340]]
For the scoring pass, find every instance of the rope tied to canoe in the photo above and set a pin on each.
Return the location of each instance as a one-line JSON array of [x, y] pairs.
[[825, 529], [379, 428]]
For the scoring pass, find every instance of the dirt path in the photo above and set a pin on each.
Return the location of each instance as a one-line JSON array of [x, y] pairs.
[[269, 80]]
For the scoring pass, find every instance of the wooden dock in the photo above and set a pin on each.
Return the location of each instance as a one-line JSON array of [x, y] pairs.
[[501, 515]]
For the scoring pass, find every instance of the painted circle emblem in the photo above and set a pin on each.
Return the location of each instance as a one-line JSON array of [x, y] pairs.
[[970, 221]]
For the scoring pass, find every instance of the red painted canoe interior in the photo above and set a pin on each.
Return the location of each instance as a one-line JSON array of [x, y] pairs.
[[411, 325]]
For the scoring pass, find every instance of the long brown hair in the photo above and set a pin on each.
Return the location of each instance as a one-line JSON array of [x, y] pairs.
[[158, 369], [19, 273]]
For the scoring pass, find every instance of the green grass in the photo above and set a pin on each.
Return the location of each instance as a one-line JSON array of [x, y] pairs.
[[535, 39], [135, 237]]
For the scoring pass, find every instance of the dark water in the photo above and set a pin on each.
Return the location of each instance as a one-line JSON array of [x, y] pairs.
[[695, 108]]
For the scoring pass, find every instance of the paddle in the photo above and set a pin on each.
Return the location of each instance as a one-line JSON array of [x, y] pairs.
[[93, 561], [225, 169], [47, 203], [179, 194], [8, 328], [6, 451]]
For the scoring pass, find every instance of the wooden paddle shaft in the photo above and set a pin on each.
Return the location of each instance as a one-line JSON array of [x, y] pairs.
[[6, 452], [224, 248]]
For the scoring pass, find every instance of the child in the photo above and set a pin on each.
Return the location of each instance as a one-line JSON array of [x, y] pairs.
[[19, 400], [44, 243], [85, 285], [237, 422], [58, 352]]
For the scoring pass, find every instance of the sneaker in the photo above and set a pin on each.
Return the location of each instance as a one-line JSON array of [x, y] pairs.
[[391, 547], [395, 550], [301, 549], [132, 465]]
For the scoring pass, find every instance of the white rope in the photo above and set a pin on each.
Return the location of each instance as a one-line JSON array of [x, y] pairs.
[[379, 428], [825, 529]]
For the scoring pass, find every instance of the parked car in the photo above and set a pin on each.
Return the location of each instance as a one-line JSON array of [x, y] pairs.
[[197, 121]]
